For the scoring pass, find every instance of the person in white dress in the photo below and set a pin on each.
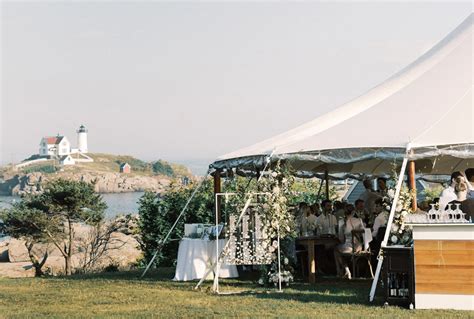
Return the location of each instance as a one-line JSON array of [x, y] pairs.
[[449, 194], [345, 236], [308, 222]]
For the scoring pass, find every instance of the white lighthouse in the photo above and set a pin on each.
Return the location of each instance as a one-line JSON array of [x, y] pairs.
[[82, 139]]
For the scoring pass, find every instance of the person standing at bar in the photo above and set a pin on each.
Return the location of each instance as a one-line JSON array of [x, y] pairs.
[[449, 193]]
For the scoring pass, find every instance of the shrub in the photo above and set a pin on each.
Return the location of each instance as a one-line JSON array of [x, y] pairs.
[[157, 215]]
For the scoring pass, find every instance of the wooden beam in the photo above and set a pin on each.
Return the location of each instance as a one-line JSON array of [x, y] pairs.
[[412, 184], [218, 189]]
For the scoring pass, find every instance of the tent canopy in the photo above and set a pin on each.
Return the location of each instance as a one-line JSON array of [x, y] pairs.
[[424, 111]]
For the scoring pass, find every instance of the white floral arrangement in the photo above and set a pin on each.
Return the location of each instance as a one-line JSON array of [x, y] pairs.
[[400, 233], [272, 276]]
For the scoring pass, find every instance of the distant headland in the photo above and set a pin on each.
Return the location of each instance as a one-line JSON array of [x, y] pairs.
[[57, 158]]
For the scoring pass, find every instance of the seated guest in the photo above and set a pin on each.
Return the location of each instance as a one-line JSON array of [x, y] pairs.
[[362, 213], [326, 222], [449, 194], [349, 208], [309, 221], [381, 219], [382, 185], [316, 209], [345, 235], [339, 210], [299, 216]]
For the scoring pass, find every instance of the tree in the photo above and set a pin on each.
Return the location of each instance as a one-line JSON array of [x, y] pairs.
[[27, 223], [65, 202], [100, 241]]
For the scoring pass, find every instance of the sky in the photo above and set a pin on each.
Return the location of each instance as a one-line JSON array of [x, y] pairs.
[[189, 81]]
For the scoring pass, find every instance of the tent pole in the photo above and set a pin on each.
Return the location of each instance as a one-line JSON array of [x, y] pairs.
[[163, 241], [388, 229], [412, 183], [326, 178], [217, 189], [216, 274]]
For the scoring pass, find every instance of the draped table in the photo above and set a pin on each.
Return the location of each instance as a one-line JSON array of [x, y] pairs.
[[195, 256]]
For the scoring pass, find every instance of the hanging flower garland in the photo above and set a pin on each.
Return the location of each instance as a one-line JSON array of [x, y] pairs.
[[400, 234], [278, 221]]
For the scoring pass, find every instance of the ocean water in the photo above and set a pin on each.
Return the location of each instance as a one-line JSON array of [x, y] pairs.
[[118, 204]]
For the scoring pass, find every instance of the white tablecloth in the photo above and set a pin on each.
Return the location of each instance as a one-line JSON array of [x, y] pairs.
[[195, 256]]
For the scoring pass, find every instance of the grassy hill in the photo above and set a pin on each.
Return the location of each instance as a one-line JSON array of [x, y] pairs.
[[111, 163]]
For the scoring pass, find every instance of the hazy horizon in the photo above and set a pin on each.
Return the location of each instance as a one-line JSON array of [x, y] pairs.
[[187, 82]]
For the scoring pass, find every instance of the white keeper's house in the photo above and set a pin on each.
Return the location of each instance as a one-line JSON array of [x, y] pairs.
[[58, 147], [55, 146]]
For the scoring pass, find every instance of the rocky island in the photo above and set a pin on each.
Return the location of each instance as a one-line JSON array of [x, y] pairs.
[[105, 170]]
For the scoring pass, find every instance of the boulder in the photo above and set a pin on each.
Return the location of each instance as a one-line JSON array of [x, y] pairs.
[[17, 270], [4, 251], [17, 251]]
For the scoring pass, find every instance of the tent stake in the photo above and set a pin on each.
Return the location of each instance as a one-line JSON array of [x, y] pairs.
[[388, 229]]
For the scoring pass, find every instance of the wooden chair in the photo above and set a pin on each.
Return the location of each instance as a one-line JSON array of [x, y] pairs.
[[355, 256], [302, 256]]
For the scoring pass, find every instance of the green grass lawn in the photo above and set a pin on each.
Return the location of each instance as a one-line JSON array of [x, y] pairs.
[[125, 295]]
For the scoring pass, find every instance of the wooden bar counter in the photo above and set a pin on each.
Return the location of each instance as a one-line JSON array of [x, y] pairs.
[[444, 266]]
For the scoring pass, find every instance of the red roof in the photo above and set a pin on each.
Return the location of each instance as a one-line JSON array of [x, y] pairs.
[[53, 139]]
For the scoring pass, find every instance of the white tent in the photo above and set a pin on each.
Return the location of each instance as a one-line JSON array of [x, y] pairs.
[[425, 112]]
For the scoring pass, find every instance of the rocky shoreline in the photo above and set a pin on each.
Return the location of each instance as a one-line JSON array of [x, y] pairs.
[[32, 183]]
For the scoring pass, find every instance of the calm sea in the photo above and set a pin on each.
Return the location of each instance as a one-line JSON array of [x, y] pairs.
[[118, 204]]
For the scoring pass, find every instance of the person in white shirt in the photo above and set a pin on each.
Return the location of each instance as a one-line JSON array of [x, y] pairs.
[[326, 222], [345, 235], [381, 219], [449, 194], [369, 196]]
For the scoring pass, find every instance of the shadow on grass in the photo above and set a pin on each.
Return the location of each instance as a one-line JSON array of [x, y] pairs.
[[326, 290]]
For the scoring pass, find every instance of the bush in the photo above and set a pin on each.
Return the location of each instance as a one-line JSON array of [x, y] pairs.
[[158, 214], [48, 169], [163, 168]]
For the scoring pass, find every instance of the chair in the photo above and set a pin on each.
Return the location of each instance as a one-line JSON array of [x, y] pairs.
[[357, 236], [302, 256]]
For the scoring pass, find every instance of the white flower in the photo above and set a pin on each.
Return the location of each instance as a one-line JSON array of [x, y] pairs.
[[260, 282], [394, 228], [286, 261], [394, 239], [274, 174], [391, 193], [275, 244], [404, 213]]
